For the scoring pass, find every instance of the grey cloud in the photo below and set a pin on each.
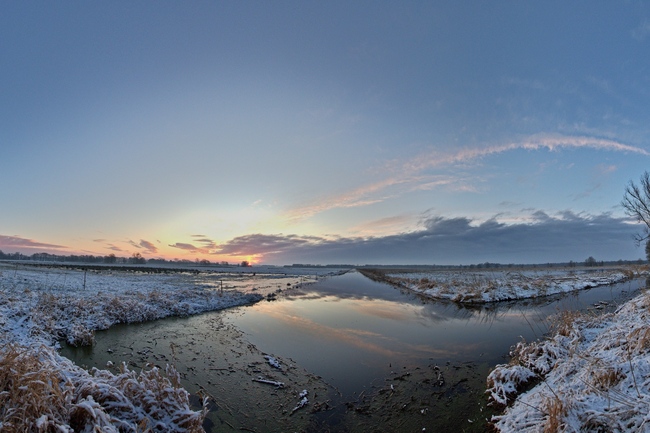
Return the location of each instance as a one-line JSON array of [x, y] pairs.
[[566, 236], [266, 244], [184, 246], [151, 248], [206, 243]]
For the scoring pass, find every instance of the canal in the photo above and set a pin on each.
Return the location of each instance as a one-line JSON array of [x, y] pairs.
[[370, 357]]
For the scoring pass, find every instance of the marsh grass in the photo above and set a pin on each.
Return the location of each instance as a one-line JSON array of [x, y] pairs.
[[555, 410], [36, 395], [28, 391]]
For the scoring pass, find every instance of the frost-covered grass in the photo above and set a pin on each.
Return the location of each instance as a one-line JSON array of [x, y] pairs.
[[43, 391], [593, 374], [470, 286]]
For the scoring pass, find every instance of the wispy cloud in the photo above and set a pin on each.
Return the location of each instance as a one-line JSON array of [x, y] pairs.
[[186, 247], [414, 174], [641, 32], [17, 242], [205, 242]]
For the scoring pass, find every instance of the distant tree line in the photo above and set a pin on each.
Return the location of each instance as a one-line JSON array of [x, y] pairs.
[[135, 259]]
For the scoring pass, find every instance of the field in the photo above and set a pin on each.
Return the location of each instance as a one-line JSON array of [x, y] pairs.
[[590, 375], [41, 306], [480, 286]]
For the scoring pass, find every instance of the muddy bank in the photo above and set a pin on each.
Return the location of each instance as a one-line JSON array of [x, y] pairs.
[[235, 381]]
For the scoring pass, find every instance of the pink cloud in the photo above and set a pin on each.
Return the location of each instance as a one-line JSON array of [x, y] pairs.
[[18, 242]]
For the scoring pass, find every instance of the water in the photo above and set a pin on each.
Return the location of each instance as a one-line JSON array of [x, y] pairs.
[[378, 358]]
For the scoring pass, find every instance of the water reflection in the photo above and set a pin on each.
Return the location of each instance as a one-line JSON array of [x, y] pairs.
[[358, 335], [354, 331]]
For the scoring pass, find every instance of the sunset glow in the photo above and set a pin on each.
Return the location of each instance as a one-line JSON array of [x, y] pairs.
[[295, 132]]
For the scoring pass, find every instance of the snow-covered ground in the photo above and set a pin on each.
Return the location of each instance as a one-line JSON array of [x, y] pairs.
[[592, 375], [43, 391], [470, 286]]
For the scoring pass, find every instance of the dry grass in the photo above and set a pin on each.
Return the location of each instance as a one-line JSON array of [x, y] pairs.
[[639, 340], [28, 391], [564, 322], [606, 377], [555, 411], [37, 396]]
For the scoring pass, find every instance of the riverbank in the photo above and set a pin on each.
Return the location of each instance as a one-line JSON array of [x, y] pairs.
[[39, 307], [592, 374], [484, 286]]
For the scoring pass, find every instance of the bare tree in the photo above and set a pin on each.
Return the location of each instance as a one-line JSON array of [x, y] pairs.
[[636, 203]]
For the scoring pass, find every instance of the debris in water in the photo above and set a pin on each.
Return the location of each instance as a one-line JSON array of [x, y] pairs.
[[277, 384], [273, 362]]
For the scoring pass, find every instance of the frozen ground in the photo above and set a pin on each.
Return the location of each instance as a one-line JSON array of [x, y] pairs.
[[592, 375], [469, 286], [43, 391]]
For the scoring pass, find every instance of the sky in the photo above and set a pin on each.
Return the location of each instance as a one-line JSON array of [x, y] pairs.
[[446, 132]]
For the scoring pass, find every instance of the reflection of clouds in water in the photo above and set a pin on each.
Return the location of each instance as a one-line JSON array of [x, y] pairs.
[[362, 339], [383, 309]]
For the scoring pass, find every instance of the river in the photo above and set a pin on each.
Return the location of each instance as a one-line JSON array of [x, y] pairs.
[[372, 357]]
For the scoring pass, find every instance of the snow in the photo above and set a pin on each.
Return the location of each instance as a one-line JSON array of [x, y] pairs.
[[593, 374], [273, 362], [303, 401], [470, 286], [39, 306]]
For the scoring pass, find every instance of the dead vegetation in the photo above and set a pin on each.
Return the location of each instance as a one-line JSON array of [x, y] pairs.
[[472, 286], [37, 395], [592, 375]]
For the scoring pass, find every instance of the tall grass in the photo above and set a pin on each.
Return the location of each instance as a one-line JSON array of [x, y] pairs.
[[37, 394]]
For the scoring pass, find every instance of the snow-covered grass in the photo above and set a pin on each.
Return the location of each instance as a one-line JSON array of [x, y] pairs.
[[470, 286], [43, 391], [593, 374]]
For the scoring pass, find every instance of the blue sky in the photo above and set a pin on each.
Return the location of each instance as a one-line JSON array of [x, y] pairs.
[[323, 132]]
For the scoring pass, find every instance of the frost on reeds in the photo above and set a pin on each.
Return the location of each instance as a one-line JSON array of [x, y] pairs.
[[471, 286], [42, 392], [593, 374]]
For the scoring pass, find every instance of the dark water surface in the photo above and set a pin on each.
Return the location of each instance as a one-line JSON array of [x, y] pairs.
[[389, 360]]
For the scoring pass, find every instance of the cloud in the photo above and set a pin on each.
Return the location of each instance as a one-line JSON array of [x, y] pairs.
[[413, 174], [205, 241], [151, 248], [543, 238], [186, 247], [17, 243], [255, 244]]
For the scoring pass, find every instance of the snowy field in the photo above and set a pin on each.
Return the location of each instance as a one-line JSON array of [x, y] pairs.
[[592, 375], [469, 286], [39, 306]]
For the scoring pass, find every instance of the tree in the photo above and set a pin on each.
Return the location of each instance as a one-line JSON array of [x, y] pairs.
[[138, 259], [636, 203], [647, 250], [590, 262], [245, 264]]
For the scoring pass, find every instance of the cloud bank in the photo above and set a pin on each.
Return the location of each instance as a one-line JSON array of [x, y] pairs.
[[545, 238]]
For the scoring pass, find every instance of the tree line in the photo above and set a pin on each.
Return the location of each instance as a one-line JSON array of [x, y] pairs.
[[134, 259]]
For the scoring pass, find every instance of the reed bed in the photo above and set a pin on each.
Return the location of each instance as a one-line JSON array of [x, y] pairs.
[[592, 374], [42, 392], [472, 286]]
